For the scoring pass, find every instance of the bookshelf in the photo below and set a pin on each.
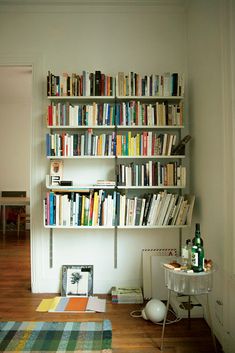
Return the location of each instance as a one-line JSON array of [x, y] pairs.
[[135, 122]]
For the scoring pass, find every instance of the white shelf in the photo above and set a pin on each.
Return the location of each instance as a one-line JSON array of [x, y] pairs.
[[154, 227], [149, 187], [81, 127], [80, 157], [118, 227], [78, 188], [143, 127], [80, 227], [150, 97], [152, 157], [131, 127], [81, 98], [119, 157]]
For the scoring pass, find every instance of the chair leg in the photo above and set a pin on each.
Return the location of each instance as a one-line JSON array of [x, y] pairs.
[[18, 225]]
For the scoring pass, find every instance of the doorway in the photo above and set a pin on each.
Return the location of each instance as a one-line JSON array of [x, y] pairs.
[[15, 141]]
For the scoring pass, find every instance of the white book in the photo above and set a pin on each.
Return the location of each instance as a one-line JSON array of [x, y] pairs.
[[70, 120], [150, 139], [156, 210], [134, 211], [167, 84], [150, 167], [184, 215], [71, 146], [180, 200], [142, 175], [170, 210], [123, 210], [82, 145], [183, 176], [165, 208], [181, 212], [160, 206], [150, 215], [123, 175], [164, 144], [170, 142], [131, 212], [76, 208], [127, 212]]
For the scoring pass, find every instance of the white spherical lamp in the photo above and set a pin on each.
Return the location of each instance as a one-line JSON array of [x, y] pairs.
[[155, 310]]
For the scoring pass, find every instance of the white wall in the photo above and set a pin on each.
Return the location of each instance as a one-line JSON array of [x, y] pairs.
[[15, 120], [211, 124], [124, 38], [144, 39]]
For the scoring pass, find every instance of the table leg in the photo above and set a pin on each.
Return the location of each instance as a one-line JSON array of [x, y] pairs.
[[164, 322], [4, 219], [189, 312]]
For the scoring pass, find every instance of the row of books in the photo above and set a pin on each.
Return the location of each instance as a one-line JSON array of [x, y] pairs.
[[146, 143], [126, 84], [163, 85], [83, 84], [124, 114], [151, 174], [76, 209], [66, 114], [87, 144], [158, 114], [100, 208], [159, 209]]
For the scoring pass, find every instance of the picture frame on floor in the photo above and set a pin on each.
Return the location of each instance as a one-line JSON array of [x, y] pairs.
[[77, 280]]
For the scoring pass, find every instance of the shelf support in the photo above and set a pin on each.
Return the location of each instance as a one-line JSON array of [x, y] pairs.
[[51, 248], [115, 247]]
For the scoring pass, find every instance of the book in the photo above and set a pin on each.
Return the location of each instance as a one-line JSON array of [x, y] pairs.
[[127, 295], [180, 148]]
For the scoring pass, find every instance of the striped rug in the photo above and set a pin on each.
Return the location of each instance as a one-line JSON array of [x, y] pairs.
[[61, 337]]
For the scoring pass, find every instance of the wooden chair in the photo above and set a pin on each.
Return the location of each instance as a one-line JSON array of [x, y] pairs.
[[22, 217]]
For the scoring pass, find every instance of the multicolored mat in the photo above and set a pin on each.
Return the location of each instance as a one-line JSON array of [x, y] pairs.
[[66, 337]]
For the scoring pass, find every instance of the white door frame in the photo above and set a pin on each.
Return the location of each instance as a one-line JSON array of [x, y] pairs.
[[38, 91]]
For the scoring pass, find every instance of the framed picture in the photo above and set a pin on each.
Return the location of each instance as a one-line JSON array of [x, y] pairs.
[[77, 280], [56, 171]]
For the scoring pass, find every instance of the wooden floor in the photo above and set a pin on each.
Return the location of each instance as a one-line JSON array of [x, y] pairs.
[[130, 335]]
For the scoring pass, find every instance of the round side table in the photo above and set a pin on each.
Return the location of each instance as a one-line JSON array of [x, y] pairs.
[[188, 283]]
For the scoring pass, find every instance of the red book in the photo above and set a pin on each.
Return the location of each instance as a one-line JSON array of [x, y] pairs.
[[49, 115], [145, 143], [63, 143]]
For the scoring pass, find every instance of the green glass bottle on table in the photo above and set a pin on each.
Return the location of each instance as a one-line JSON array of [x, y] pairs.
[[197, 251]]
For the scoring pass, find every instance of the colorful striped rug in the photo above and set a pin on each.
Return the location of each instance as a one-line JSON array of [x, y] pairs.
[[66, 337]]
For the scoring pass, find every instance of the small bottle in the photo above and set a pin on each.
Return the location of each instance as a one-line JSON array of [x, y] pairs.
[[186, 254], [197, 251]]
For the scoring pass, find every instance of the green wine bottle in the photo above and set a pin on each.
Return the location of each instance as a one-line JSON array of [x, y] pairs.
[[197, 251]]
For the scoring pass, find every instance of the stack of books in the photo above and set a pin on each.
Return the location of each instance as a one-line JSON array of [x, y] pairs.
[[127, 295]]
